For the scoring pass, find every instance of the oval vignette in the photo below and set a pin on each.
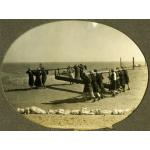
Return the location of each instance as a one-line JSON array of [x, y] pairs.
[[69, 43]]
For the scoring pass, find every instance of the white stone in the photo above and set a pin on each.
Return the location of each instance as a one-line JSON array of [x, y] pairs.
[[37, 110], [85, 111], [97, 111], [60, 111], [84, 108], [92, 112], [27, 110], [75, 112], [50, 111], [21, 110], [115, 112], [67, 112], [121, 112], [105, 112], [127, 110]]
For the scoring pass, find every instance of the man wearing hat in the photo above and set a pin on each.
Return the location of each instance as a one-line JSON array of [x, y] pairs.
[[99, 80], [113, 78]]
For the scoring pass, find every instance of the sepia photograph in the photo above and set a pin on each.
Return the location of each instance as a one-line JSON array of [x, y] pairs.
[[74, 75], [81, 67]]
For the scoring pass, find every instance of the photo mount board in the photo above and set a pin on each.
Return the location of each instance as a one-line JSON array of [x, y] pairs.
[[136, 30]]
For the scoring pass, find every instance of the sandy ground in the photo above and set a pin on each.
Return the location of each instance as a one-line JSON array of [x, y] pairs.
[[60, 94], [76, 122]]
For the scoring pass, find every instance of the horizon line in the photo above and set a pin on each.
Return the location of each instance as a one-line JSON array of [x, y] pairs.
[[71, 61]]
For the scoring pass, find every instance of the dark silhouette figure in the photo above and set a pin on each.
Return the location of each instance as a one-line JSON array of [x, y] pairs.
[[118, 86], [85, 67], [70, 73], [44, 74], [81, 67], [31, 77], [99, 80], [77, 72], [122, 79], [95, 86], [113, 79], [38, 81], [126, 76], [88, 90]]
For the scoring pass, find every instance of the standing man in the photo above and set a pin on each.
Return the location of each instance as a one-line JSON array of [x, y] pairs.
[[81, 67], [70, 73], [31, 78], [77, 72], [95, 86], [88, 90], [38, 82], [44, 76], [122, 79], [40, 66], [126, 76], [118, 80], [113, 79], [99, 80]]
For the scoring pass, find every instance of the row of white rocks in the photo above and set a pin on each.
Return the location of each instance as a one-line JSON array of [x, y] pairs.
[[82, 111]]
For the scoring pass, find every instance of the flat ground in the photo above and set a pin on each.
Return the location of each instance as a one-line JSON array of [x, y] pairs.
[[60, 94]]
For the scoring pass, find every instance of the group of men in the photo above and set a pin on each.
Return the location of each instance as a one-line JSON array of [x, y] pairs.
[[119, 79], [94, 88], [37, 77], [76, 71]]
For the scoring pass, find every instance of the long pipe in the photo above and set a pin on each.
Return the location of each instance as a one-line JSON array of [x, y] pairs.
[[133, 64]]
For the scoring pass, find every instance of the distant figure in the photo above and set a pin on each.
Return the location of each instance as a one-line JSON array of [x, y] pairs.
[[38, 82], [113, 79], [99, 80], [31, 78], [70, 73], [126, 76], [85, 67], [81, 67], [40, 66], [88, 90], [95, 86], [44, 76], [118, 80], [77, 72], [122, 79]]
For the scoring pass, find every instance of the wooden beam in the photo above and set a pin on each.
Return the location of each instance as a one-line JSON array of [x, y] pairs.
[[133, 63]]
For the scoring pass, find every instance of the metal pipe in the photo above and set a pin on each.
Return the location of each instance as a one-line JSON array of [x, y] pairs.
[[133, 63]]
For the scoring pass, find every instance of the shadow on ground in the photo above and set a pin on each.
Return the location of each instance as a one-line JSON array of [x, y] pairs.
[[69, 100], [23, 89], [48, 86], [61, 89]]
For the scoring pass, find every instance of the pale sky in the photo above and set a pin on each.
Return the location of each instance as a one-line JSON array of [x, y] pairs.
[[73, 41]]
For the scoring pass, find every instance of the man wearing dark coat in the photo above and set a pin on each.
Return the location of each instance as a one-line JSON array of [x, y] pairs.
[[77, 72], [70, 73], [81, 67], [44, 76], [31, 78], [99, 80], [113, 79], [85, 67], [118, 79], [38, 81], [126, 76], [122, 79], [88, 90], [95, 86]]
